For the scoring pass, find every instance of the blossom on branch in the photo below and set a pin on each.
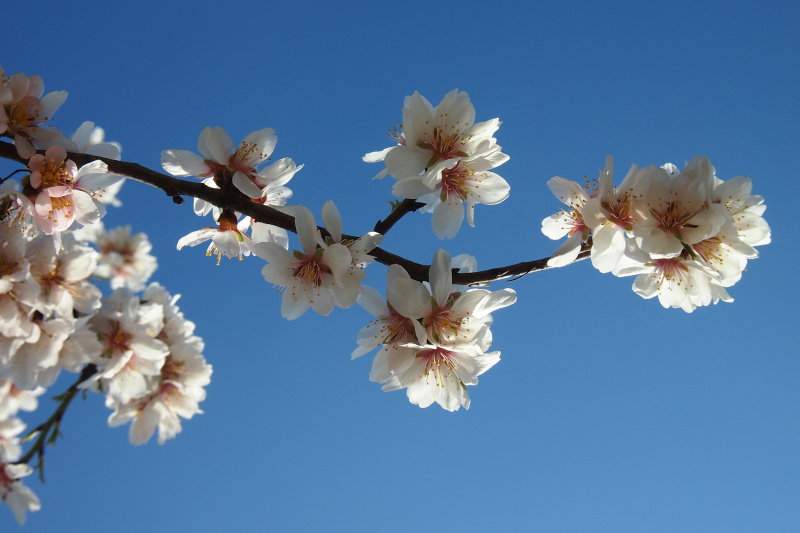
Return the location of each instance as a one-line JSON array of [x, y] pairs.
[[222, 167], [435, 341], [322, 275], [443, 159], [57, 193], [24, 112], [686, 234]]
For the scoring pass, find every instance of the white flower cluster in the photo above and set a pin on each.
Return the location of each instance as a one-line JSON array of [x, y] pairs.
[[326, 273], [150, 363], [222, 167], [443, 159], [433, 338], [686, 235], [139, 351], [145, 355], [12, 491], [56, 193]]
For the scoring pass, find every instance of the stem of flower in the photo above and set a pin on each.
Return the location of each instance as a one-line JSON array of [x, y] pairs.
[[48, 431]]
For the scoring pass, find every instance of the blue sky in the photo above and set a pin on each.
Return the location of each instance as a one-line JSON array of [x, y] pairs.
[[606, 411]]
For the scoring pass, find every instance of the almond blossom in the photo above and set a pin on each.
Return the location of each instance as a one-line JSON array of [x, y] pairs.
[[568, 222], [315, 277], [132, 354], [443, 159], [221, 165], [687, 247], [14, 493], [59, 193], [227, 240], [24, 111], [674, 210], [124, 259], [609, 214], [178, 390], [435, 340]]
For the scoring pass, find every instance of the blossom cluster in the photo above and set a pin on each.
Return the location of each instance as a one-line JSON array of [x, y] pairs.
[[138, 350], [329, 269], [433, 338], [222, 167], [56, 193], [444, 160], [145, 356], [685, 234]]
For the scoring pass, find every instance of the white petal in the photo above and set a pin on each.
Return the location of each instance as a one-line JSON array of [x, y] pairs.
[[183, 163]]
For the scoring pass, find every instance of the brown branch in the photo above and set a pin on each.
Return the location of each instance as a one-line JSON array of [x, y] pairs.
[[406, 206], [176, 188]]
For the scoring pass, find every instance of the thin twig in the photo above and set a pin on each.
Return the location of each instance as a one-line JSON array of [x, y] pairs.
[[408, 205]]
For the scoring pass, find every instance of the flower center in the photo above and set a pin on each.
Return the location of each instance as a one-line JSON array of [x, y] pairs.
[[55, 174], [310, 270], [439, 365], [396, 328], [245, 157], [672, 270], [25, 113], [444, 145], [454, 182], [116, 340], [673, 218]]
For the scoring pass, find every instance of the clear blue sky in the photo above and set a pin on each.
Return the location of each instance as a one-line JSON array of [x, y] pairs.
[[606, 412]]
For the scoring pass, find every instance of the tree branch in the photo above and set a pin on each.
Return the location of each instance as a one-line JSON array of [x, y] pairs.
[[48, 431], [406, 206], [176, 188]]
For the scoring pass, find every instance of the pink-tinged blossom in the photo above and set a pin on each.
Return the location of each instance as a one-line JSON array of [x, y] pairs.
[[19, 498], [90, 139], [25, 112], [60, 193], [313, 277]]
